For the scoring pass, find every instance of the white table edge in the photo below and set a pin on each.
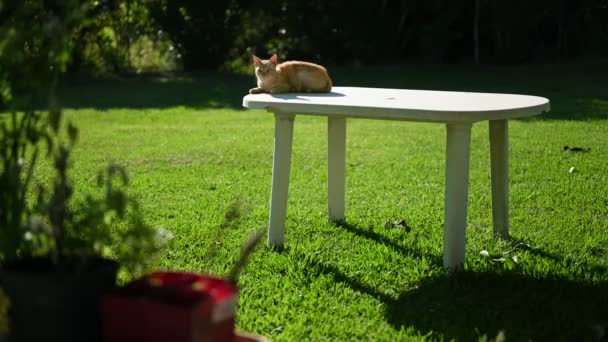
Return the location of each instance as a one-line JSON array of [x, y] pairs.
[[278, 104], [399, 114]]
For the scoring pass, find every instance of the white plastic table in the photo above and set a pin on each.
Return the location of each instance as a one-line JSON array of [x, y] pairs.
[[458, 110]]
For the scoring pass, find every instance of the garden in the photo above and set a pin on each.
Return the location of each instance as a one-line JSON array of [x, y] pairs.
[[166, 171]]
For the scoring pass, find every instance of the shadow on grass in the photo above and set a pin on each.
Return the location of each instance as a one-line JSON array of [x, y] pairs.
[[371, 235], [467, 305], [197, 90], [576, 91]]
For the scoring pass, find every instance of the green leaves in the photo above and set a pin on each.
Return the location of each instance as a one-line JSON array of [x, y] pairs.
[[509, 258], [19, 146], [35, 45], [35, 48], [110, 224]]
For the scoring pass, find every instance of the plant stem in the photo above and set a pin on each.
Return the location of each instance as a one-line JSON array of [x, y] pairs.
[[248, 248]]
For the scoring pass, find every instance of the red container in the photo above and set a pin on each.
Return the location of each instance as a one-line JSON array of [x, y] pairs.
[[171, 306]]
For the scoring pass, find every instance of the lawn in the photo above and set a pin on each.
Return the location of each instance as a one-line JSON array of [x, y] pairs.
[[193, 155]]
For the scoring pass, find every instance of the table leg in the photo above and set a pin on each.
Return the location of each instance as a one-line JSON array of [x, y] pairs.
[[283, 137], [456, 194], [499, 163], [336, 163]]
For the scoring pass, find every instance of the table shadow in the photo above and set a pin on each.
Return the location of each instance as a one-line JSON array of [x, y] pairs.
[[379, 238], [467, 305]]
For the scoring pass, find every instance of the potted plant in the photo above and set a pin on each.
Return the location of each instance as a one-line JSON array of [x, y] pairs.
[[58, 271], [54, 249]]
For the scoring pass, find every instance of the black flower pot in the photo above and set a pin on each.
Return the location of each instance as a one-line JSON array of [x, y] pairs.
[[57, 303]]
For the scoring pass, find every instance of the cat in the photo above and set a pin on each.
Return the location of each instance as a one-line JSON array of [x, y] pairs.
[[289, 77]]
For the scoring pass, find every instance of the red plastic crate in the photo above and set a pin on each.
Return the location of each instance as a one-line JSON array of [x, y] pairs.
[[171, 306]]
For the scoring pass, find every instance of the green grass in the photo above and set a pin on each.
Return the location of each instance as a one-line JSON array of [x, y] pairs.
[[192, 153]]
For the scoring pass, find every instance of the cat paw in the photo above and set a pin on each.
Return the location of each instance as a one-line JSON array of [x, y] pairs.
[[256, 91]]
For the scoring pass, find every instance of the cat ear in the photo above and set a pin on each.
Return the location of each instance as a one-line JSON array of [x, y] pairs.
[[274, 59], [256, 61]]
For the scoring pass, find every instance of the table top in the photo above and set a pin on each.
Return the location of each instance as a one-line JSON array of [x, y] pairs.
[[403, 104]]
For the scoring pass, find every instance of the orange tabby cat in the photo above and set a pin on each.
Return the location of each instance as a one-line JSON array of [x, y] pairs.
[[289, 77]]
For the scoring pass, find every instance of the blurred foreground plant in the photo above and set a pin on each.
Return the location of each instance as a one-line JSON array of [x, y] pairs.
[[38, 219]]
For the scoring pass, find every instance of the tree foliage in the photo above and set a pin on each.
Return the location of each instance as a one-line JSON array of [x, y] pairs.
[[146, 35], [388, 31]]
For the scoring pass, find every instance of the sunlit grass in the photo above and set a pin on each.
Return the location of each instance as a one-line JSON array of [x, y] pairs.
[[365, 280]]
